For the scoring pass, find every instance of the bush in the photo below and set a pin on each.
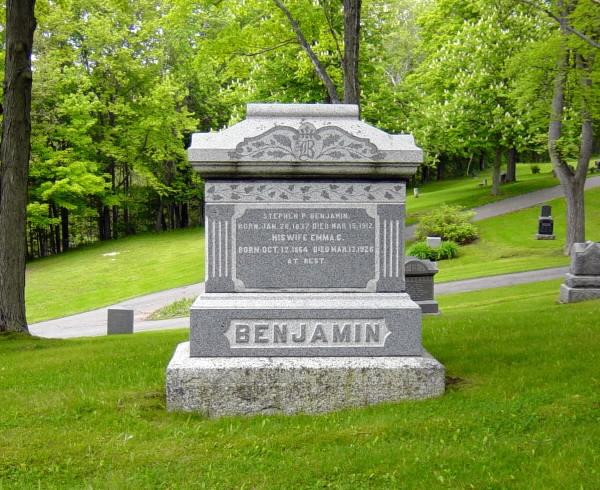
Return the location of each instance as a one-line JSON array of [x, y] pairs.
[[448, 250], [450, 223], [535, 169]]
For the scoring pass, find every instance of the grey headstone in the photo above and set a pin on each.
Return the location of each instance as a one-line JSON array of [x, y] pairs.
[[433, 241], [583, 281], [585, 259], [420, 283], [119, 321], [304, 268]]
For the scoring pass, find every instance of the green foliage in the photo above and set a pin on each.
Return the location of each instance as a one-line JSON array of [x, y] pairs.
[[450, 223], [447, 250], [535, 169]]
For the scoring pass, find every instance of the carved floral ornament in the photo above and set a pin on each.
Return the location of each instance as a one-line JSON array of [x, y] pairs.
[[285, 143], [305, 192]]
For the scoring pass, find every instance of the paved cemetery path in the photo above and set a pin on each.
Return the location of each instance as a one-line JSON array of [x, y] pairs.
[[490, 282], [516, 203], [93, 323]]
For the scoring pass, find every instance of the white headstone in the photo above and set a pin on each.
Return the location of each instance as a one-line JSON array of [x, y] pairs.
[[433, 241]]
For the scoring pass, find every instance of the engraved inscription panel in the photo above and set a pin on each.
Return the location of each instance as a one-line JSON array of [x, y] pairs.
[[298, 333], [294, 247]]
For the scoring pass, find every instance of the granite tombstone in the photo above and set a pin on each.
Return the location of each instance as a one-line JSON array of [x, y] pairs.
[[545, 224], [419, 283], [305, 289], [582, 282]]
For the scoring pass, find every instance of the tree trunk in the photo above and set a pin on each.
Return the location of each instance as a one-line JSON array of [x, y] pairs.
[[115, 220], [159, 217], [511, 165], [496, 172], [104, 223], [574, 196], [572, 182], [64, 224], [319, 68], [351, 51], [185, 215], [14, 163], [440, 170], [126, 183], [57, 248]]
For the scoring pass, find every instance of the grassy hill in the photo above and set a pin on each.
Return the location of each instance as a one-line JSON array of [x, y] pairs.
[[112, 271], [508, 243], [521, 411], [469, 192]]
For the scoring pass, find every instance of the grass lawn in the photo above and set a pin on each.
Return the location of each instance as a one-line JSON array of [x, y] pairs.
[[508, 243], [177, 309], [522, 412], [108, 272], [467, 192]]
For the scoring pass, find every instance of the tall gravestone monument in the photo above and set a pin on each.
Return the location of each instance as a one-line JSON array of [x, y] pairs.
[[304, 308]]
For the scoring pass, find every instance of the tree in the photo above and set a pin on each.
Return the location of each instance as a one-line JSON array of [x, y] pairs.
[[572, 56], [350, 58], [460, 93], [14, 162]]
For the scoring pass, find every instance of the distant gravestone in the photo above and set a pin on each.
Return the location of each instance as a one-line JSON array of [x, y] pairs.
[[304, 308], [545, 224], [119, 321], [583, 280], [433, 241], [420, 283]]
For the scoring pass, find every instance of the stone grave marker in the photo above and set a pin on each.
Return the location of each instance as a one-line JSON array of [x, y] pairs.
[[304, 308], [433, 241], [583, 280], [119, 321], [545, 224], [420, 283]]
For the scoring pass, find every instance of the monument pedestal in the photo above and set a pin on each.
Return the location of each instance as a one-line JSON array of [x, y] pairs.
[[305, 324], [228, 386]]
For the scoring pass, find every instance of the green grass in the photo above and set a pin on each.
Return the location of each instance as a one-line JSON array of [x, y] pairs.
[[177, 309], [523, 412], [467, 192], [508, 243], [92, 276]]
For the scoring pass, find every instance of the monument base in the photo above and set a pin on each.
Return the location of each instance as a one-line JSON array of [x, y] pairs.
[[574, 295], [227, 386], [545, 237], [429, 307]]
